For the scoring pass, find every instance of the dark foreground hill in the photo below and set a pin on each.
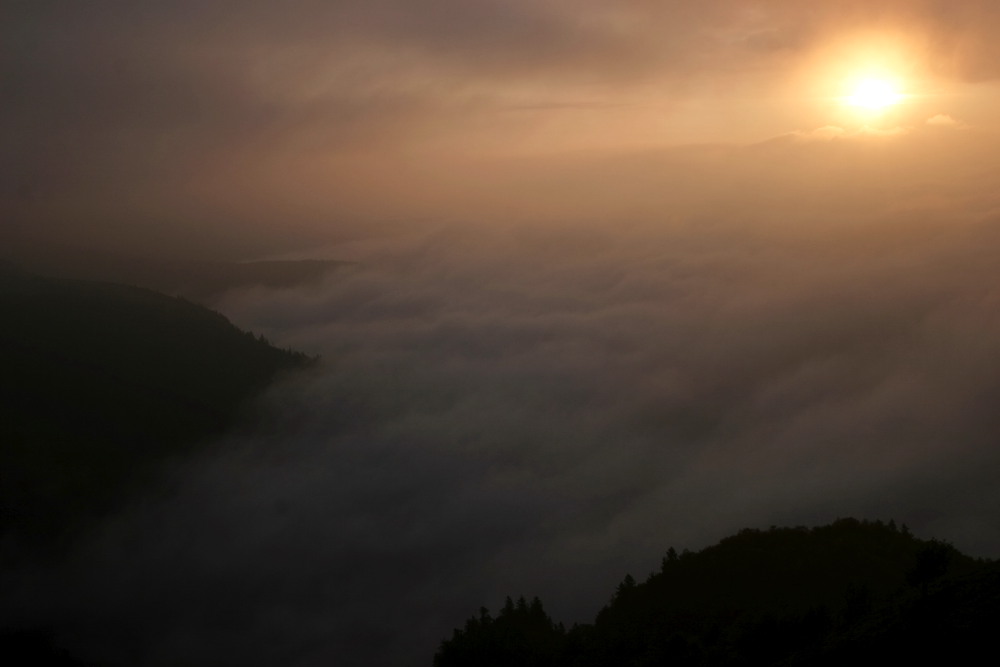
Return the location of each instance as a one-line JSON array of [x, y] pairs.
[[849, 593], [100, 382]]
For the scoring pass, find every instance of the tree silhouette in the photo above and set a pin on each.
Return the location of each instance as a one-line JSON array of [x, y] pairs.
[[931, 564], [852, 592]]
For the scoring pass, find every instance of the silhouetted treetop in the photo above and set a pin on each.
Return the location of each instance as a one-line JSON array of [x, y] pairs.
[[852, 592]]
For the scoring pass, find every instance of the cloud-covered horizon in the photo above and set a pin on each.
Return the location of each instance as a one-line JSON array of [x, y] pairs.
[[539, 411]]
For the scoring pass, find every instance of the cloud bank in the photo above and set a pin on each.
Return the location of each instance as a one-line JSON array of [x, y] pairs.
[[536, 410]]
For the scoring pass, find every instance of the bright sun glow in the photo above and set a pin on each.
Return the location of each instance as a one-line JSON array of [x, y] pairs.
[[874, 94]]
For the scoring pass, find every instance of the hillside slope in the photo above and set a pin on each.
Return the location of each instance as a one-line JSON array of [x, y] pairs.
[[853, 592], [100, 382]]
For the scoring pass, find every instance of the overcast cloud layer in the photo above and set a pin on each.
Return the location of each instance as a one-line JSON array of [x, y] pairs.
[[214, 127]]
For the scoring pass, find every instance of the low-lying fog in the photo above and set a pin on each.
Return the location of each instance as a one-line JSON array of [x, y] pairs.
[[539, 411]]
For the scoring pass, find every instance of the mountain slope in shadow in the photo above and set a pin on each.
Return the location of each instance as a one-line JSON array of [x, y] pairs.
[[853, 592], [100, 383]]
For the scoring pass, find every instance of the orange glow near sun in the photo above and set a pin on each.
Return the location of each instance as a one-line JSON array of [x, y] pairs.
[[864, 76]]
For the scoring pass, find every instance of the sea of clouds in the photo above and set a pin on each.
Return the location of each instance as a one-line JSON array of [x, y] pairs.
[[528, 410]]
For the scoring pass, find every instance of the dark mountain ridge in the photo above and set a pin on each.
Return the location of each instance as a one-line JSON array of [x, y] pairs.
[[197, 279], [853, 592], [103, 381]]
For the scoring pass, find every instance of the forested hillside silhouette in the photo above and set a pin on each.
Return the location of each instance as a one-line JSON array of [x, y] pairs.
[[100, 383], [853, 592]]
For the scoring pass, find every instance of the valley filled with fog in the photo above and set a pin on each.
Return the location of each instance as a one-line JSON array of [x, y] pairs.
[[526, 411]]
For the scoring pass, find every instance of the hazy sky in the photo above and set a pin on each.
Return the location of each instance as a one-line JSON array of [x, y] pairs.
[[628, 275], [144, 123]]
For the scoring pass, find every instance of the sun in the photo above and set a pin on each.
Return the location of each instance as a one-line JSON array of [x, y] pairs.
[[875, 94]]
